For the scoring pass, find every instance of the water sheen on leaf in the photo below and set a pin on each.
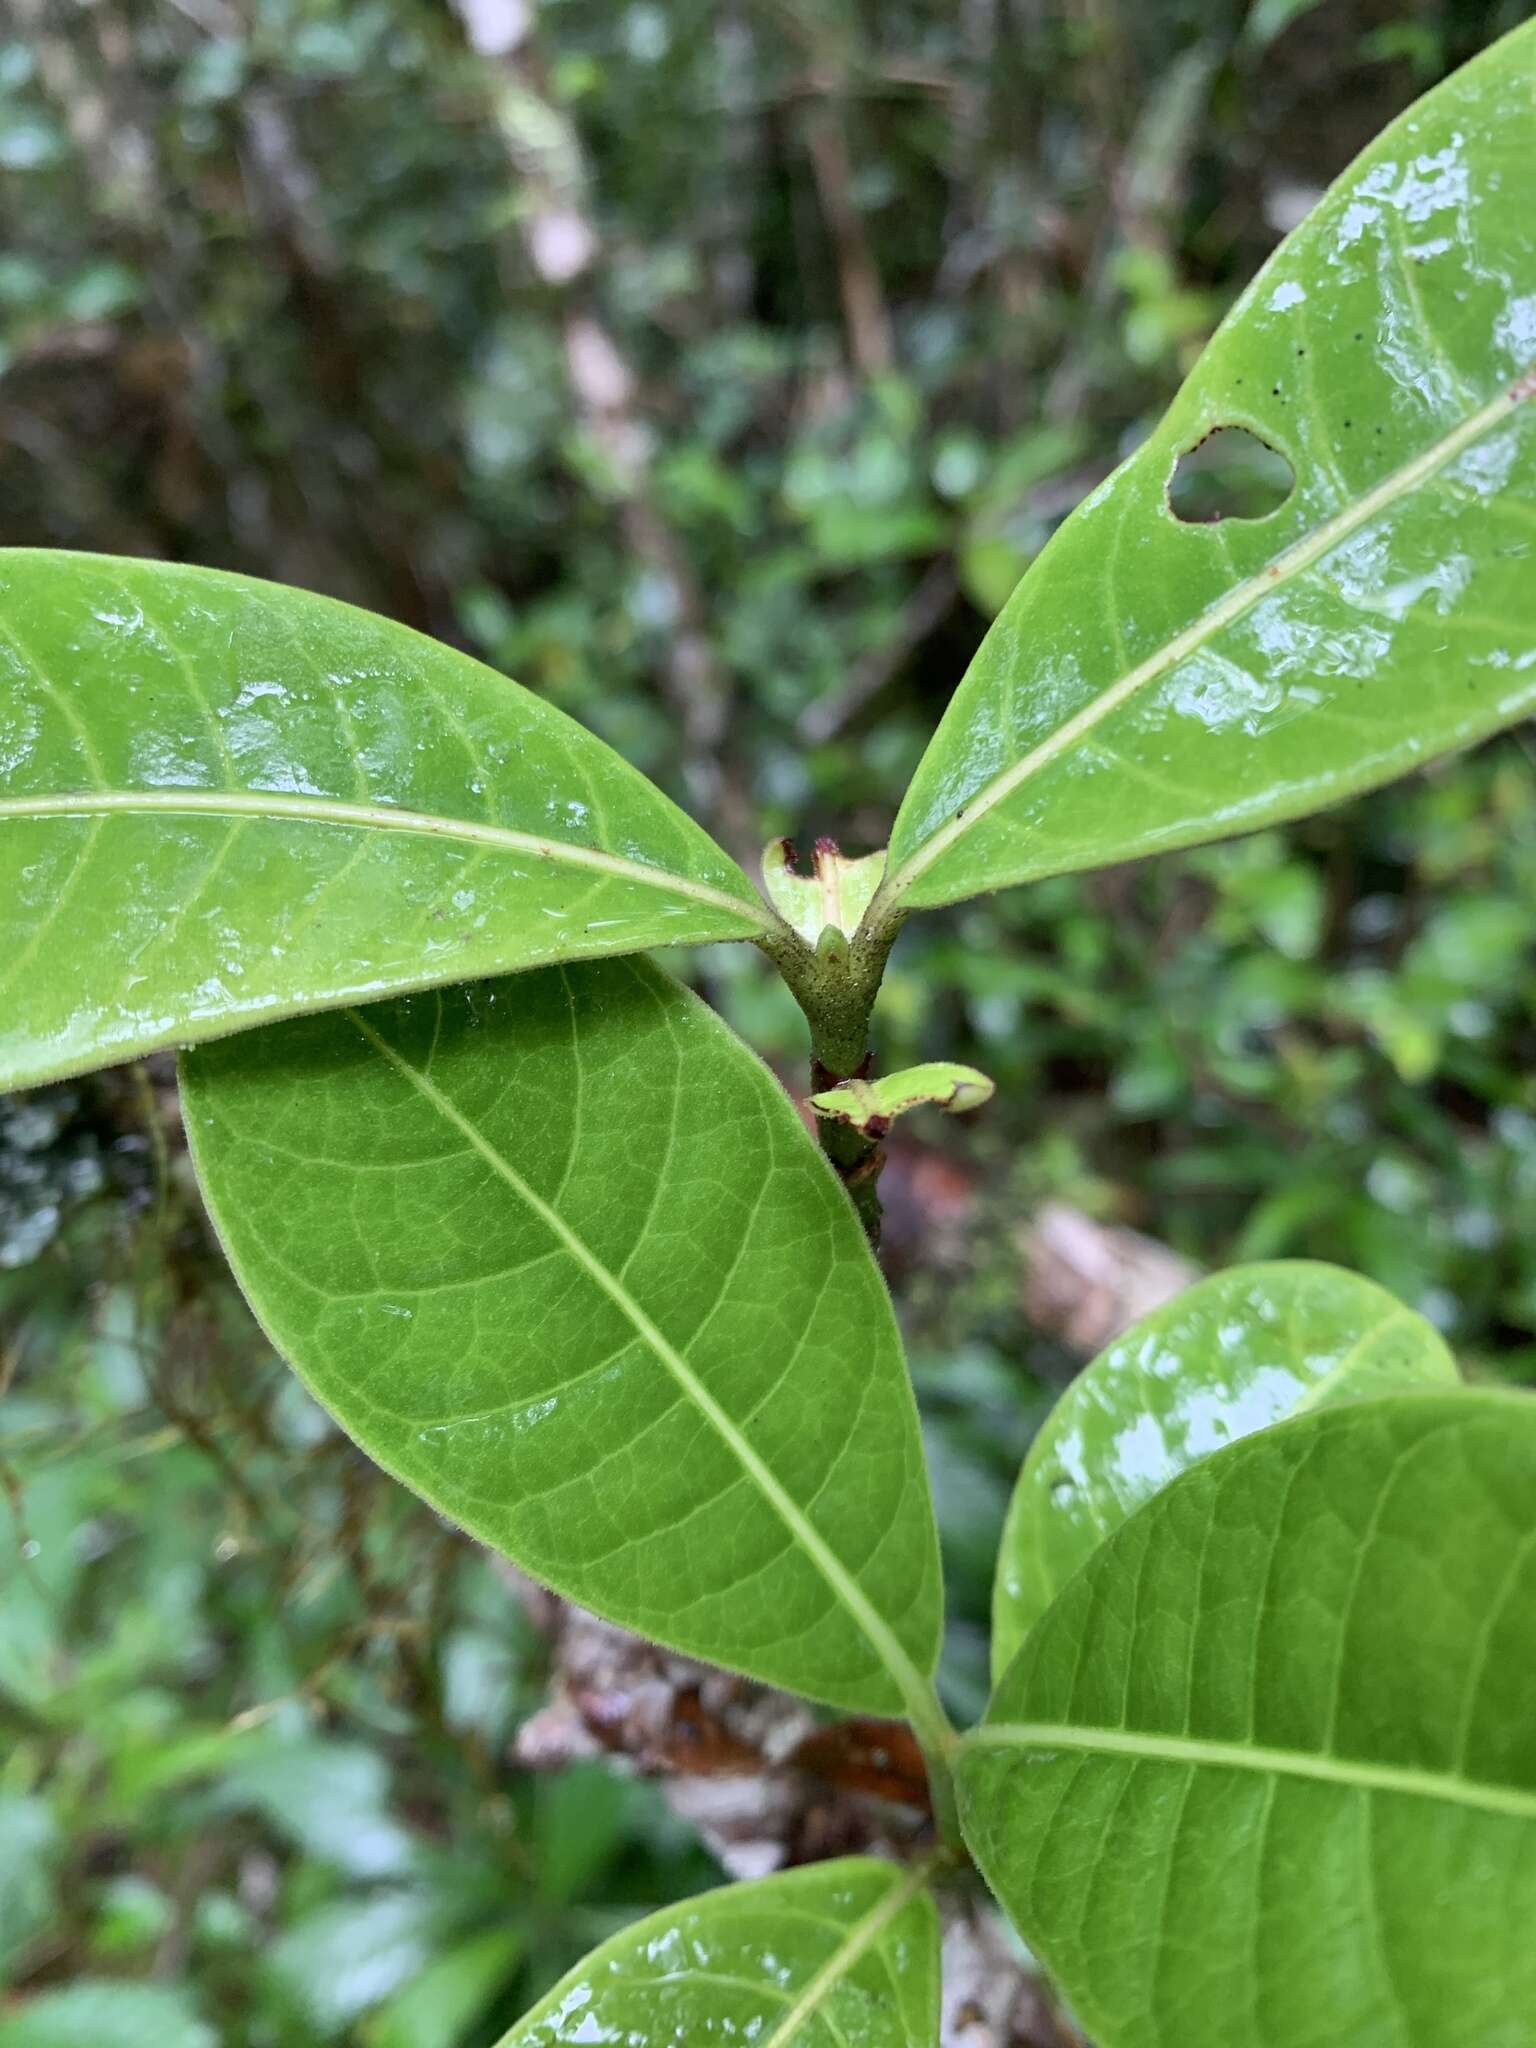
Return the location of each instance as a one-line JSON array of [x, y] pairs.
[[1154, 683], [841, 1955], [1264, 1775], [558, 1252], [1229, 1355], [223, 801]]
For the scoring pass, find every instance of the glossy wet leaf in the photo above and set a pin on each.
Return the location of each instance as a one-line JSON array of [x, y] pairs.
[[559, 1253], [839, 1955], [1230, 1355], [223, 801], [1153, 683], [1264, 1776]]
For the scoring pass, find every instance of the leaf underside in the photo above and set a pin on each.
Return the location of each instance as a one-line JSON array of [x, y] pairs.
[[1230, 1355], [1153, 683], [1264, 1776], [840, 1955], [559, 1254], [222, 801]]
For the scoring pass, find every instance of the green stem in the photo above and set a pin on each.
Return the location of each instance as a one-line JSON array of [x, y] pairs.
[[939, 1741], [939, 1744], [856, 1158], [835, 983]]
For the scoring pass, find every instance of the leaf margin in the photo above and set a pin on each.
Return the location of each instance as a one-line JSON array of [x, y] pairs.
[[912, 1888], [34, 1056], [911, 1676]]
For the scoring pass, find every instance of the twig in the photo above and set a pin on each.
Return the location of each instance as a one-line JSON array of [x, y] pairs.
[[922, 613], [563, 247], [864, 309]]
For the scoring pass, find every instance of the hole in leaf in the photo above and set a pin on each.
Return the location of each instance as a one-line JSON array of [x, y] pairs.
[[1231, 474]]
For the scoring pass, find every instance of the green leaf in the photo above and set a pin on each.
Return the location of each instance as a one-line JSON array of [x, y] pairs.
[[346, 1957], [560, 1254], [836, 893], [582, 1816], [105, 2014], [875, 1105], [438, 2008], [1153, 683], [222, 801], [31, 1848], [1269, 19], [1264, 1776], [1230, 1355], [840, 1955], [331, 1798], [132, 1914], [36, 1603]]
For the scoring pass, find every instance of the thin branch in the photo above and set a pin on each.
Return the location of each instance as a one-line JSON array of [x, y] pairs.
[[870, 676], [865, 315], [564, 249]]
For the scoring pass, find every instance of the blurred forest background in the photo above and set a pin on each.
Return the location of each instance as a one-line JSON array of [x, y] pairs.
[[714, 367]]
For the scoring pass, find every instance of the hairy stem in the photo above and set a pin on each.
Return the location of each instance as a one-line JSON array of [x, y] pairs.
[[938, 1755], [835, 983]]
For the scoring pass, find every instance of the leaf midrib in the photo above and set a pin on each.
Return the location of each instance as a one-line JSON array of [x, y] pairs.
[[860, 1939], [1259, 1759], [1291, 562], [917, 1695], [371, 817], [1323, 1389]]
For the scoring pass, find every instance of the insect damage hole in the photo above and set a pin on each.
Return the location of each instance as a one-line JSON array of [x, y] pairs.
[[1231, 474]]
